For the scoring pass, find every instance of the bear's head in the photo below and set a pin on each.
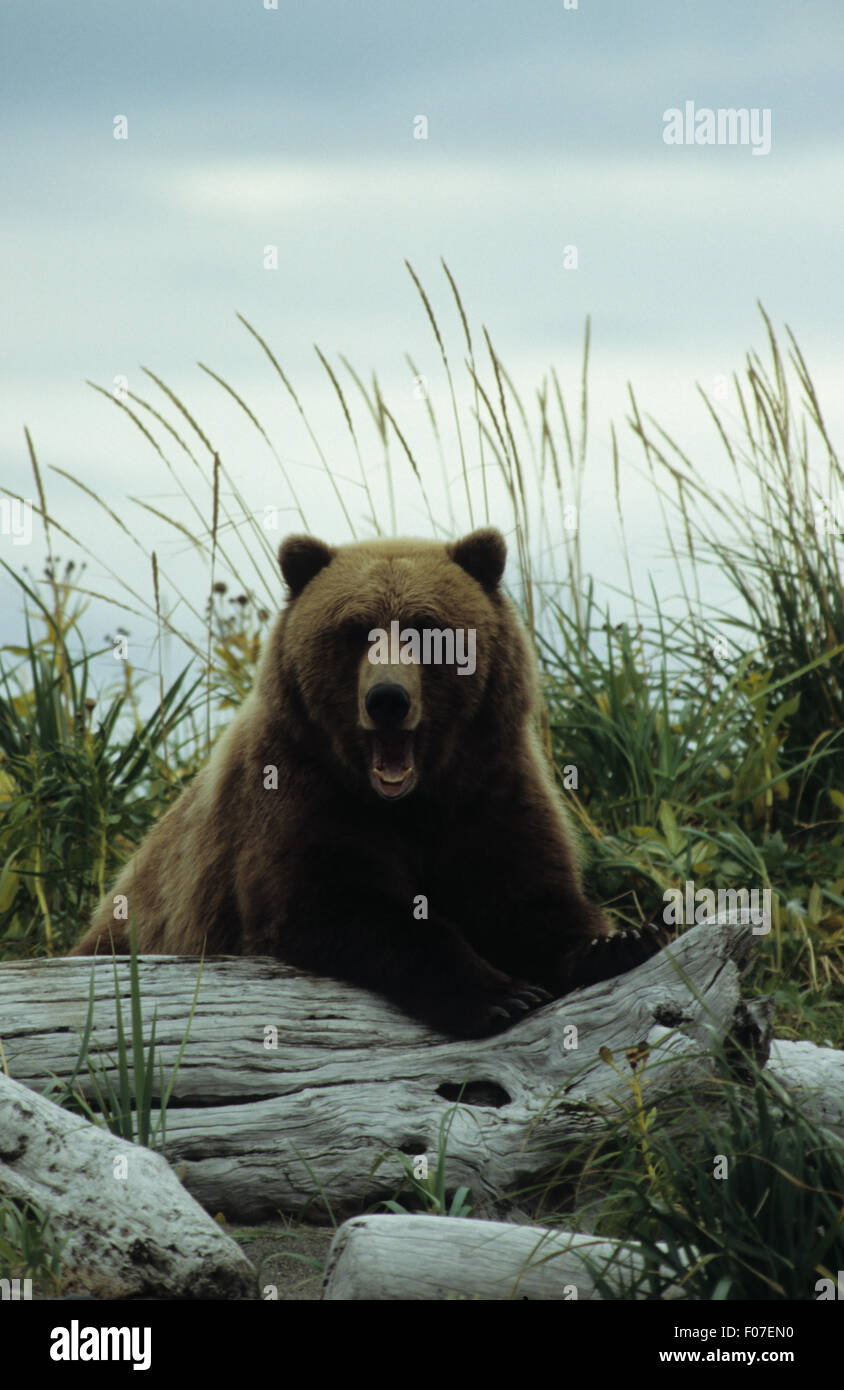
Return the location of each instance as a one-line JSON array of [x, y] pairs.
[[402, 657]]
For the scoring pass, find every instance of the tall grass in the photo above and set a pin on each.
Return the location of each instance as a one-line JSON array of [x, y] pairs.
[[738, 1195]]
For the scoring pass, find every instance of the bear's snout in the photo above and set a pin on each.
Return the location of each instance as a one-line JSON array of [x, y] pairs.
[[390, 706], [387, 704]]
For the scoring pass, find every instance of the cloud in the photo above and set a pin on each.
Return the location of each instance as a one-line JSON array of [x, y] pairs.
[[662, 186]]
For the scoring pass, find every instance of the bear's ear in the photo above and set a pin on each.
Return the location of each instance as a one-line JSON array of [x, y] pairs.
[[300, 558], [482, 554]]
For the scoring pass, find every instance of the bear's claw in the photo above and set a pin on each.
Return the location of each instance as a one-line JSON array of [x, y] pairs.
[[608, 956], [512, 1001]]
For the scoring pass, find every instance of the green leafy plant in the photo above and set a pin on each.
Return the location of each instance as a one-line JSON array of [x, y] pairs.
[[431, 1190], [29, 1248], [78, 793], [742, 1198], [125, 1108]]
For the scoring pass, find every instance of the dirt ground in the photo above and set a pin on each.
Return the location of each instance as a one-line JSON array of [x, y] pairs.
[[288, 1257]]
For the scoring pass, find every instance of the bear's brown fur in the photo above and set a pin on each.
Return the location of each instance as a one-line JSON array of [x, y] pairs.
[[401, 788]]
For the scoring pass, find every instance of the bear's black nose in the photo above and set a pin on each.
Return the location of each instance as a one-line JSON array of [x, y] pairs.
[[387, 704]]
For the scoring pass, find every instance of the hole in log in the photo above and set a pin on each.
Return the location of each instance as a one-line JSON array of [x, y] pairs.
[[412, 1147], [475, 1093], [669, 1015]]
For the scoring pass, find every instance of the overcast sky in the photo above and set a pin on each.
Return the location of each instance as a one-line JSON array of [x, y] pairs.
[[295, 127]]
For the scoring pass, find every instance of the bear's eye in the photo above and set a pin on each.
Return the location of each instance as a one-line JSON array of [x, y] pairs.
[[353, 633]]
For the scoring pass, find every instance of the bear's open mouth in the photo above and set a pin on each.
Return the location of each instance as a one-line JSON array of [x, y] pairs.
[[392, 770]]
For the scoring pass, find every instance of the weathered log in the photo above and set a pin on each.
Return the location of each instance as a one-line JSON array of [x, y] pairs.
[[814, 1077], [130, 1227], [437, 1258], [291, 1086]]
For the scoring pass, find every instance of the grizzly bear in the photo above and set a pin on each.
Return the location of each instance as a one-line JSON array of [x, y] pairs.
[[381, 810]]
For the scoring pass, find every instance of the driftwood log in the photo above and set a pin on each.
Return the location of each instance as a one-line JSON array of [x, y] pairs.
[[814, 1076], [129, 1227], [428, 1257], [291, 1088]]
